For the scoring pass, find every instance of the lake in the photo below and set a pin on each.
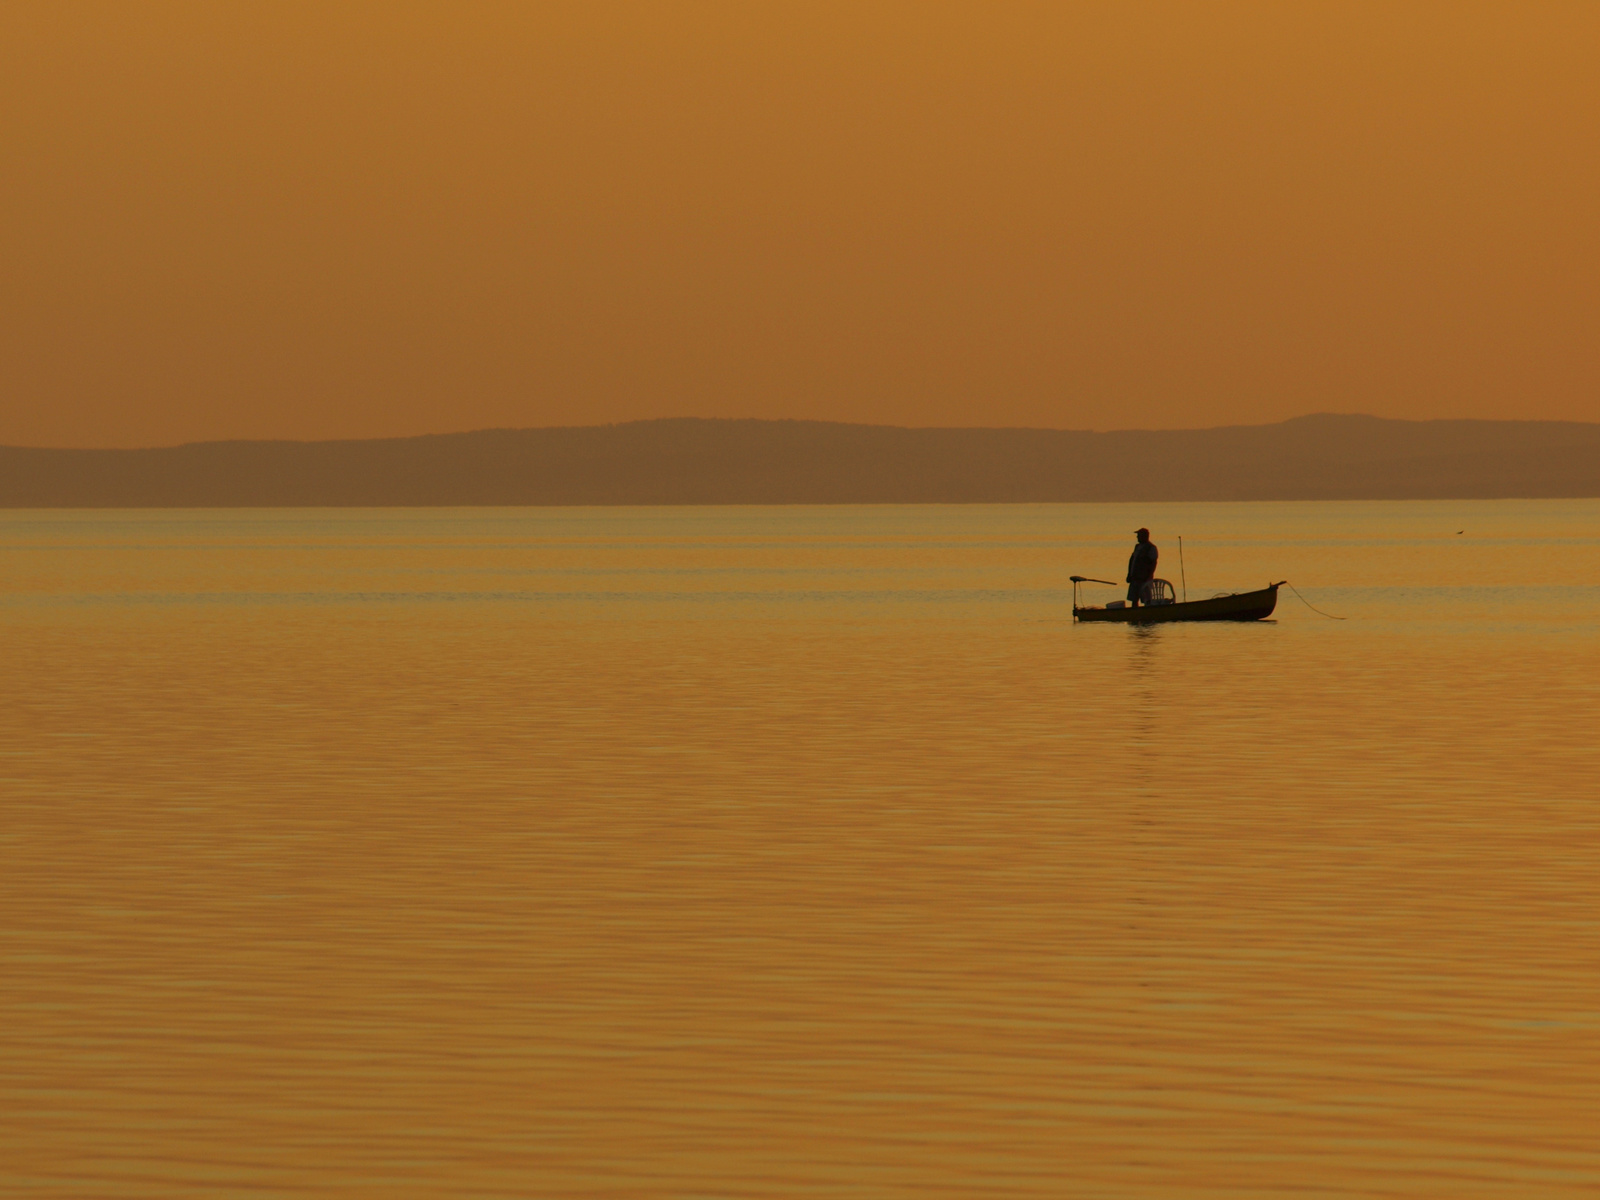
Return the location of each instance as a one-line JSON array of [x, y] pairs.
[[811, 851]]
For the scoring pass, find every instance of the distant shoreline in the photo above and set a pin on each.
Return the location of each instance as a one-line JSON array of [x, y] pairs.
[[708, 461]]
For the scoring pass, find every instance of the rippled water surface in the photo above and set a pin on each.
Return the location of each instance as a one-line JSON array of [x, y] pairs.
[[798, 852]]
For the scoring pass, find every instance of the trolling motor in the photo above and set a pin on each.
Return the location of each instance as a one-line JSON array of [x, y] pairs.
[[1077, 579]]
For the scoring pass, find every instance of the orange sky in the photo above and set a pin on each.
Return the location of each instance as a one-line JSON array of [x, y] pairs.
[[359, 219]]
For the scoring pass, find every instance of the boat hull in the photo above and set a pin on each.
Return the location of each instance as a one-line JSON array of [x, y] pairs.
[[1245, 606]]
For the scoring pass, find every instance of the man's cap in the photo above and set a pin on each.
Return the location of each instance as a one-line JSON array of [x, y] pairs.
[[1146, 532]]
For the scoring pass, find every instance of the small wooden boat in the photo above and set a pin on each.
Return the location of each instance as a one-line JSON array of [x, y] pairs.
[[1164, 606]]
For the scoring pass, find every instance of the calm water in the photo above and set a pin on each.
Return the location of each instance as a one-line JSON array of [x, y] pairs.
[[798, 852]]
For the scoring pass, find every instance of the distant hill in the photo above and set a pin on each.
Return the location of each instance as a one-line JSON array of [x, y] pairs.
[[691, 461]]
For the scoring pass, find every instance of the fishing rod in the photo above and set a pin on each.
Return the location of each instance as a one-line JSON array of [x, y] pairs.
[[1184, 575]]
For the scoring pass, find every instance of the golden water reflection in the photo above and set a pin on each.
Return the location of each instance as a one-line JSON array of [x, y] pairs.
[[771, 853]]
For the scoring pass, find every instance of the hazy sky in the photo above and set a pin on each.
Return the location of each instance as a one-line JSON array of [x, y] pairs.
[[359, 219]]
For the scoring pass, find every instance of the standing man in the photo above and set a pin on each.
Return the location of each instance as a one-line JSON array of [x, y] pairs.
[[1141, 565]]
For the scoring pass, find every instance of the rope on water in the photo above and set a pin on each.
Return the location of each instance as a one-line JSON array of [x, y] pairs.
[[1312, 606]]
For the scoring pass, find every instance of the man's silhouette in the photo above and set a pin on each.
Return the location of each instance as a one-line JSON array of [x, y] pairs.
[[1141, 565]]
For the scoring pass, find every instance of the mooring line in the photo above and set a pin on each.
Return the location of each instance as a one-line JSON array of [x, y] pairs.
[[1312, 606]]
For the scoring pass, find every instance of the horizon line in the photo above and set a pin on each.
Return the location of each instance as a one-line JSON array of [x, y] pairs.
[[408, 437]]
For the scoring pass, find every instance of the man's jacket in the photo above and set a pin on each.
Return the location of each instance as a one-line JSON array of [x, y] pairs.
[[1142, 562]]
